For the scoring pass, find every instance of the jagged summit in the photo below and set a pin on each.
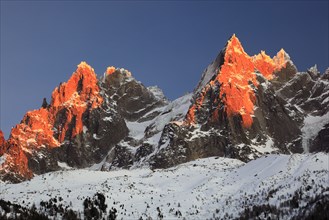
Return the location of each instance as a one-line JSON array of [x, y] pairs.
[[111, 69], [263, 63], [81, 87], [74, 127], [236, 113], [235, 75], [49, 127], [80, 93]]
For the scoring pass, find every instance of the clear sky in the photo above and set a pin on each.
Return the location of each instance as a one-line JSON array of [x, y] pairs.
[[162, 43]]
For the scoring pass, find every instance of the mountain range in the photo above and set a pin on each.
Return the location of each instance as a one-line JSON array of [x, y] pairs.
[[246, 113]]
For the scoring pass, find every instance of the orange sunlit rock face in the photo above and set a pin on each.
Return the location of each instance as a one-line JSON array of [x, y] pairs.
[[280, 60], [17, 162], [190, 116], [80, 91], [2, 143], [235, 77], [110, 70], [79, 94], [267, 66], [33, 132]]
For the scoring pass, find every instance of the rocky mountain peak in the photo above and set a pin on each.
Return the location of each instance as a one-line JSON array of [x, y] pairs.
[[325, 76], [2, 143], [111, 70], [237, 112], [314, 72], [80, 88], [235, 80], [50, 125], [78, 94], [114, 77]]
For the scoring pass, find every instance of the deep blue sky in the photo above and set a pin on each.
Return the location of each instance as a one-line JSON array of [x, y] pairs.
[[162, 43]]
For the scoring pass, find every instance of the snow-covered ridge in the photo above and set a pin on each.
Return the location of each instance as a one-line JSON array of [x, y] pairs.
[[175, 110], [206, 188]]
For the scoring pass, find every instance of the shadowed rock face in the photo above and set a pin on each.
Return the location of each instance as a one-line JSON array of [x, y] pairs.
[[134, 103], [320, 100], [133, 98], [321, 141]]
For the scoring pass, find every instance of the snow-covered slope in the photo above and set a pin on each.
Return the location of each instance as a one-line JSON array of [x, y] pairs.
[[144, 135], [207, 188], [173, 111]]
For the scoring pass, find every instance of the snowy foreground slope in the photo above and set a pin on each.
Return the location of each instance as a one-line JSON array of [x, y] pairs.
[[285, 186]]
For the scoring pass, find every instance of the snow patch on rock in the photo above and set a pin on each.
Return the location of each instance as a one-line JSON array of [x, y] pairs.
[[312, 126]]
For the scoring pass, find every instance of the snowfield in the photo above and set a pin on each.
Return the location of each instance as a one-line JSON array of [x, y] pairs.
[[207, 188]]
